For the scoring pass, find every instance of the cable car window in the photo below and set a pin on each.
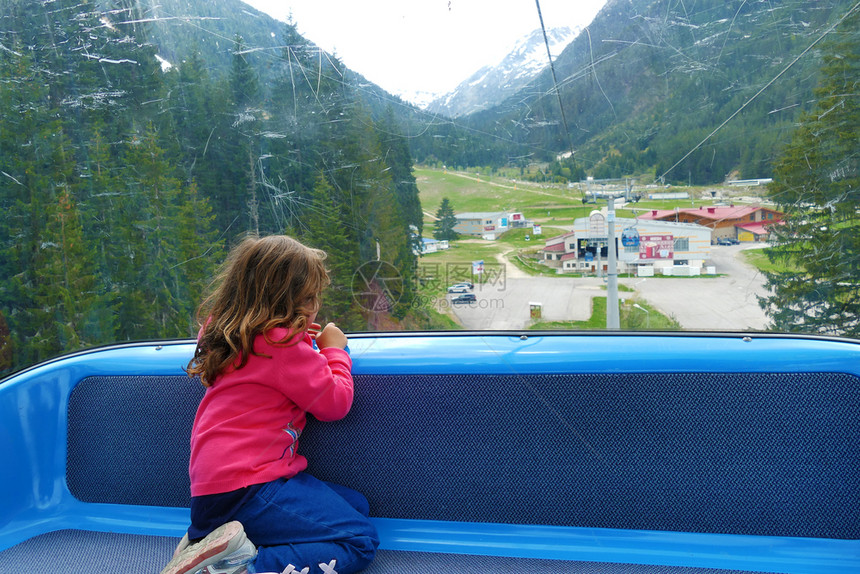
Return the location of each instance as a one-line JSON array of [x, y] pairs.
[[503, 149]]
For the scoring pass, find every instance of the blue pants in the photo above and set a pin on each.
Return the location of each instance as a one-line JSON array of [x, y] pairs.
[[306, 522]]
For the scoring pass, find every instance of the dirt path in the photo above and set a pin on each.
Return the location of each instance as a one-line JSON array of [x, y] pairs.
[[512, 271]]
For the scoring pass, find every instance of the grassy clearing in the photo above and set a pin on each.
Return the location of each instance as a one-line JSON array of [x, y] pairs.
[[431, 317], [758, 258], [529, 264], [444, 268], [635, 319], [596, 321], [454, 264], [630, 318], [470, 192], [543, 203], [517, 237]]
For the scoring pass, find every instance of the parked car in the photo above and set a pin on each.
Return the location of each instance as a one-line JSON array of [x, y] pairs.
[[465, 298], [727, 241], [458, 288]]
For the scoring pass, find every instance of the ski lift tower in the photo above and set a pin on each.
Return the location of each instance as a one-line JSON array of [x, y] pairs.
[[613, 319], [611, 190]]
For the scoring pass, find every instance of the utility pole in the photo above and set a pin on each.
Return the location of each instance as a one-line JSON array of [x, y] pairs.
[[612, 319]]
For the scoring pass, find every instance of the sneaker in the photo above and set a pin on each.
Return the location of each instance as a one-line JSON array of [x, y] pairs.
[[226, 550], [183, 544]]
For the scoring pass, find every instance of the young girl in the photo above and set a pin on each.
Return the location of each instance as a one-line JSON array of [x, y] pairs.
[[253, 508]]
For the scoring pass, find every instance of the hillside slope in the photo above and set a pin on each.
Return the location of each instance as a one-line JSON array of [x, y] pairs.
[[650, 79], [210, 27]]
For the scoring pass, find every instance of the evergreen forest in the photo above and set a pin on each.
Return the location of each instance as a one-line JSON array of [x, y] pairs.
[[122, 184]]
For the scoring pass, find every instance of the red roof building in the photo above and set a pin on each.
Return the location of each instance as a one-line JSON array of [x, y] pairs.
[[725, 221], [758, 231]]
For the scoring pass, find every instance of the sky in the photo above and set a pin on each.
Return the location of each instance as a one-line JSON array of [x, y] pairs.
[[414, 46]]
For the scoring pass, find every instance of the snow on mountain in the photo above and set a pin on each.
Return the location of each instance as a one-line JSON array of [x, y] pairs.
[[492, 84], [422, 99]]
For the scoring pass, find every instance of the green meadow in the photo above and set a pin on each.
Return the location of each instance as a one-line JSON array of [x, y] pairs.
[[469, 191], [543, 203]]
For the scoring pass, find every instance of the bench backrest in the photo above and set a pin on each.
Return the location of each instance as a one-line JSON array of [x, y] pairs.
[[766, 453]]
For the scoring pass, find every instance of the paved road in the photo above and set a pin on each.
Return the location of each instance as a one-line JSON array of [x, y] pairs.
[[506, 306], [721, 303]]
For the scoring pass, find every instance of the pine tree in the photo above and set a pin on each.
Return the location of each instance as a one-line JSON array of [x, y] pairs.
[[817, 184], [198, 252], [393, 240], [33, 162], [395, 150], [149, 281], [243, 138], [67, 291], [102, 204], [204, 116], [445, 222], [193, 113], [323, 227], [102, 196]]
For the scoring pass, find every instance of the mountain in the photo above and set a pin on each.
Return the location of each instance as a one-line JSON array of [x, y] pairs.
[[682, 91], [419, 98], [490, 85]]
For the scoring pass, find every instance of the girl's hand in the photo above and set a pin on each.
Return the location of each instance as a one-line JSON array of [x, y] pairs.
[[331, 336]]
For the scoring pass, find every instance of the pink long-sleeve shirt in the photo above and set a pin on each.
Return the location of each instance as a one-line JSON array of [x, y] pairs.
[[249, 422]]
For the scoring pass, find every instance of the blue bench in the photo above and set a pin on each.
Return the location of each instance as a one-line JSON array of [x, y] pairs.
[[478, 452]]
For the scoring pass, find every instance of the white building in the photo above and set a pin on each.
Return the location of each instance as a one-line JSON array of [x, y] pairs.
[[487, 224], [429, 245], [643, 247]]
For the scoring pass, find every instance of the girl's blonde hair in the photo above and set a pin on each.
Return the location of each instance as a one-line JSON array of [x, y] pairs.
[[266, 282]]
